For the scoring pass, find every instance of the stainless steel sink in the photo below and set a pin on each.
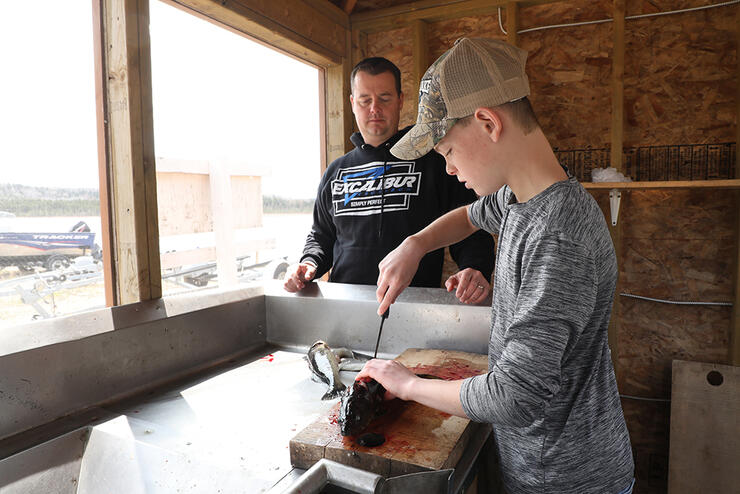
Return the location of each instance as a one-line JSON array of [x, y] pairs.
[[227, 433]]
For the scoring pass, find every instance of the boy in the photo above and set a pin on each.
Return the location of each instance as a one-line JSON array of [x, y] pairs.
[[550, 392]]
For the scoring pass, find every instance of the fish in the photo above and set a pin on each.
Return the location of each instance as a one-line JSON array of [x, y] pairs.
[[350, 360], [359, 405], [324, 366]]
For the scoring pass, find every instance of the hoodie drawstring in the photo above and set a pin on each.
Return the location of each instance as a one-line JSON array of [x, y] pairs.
[[382, 198]]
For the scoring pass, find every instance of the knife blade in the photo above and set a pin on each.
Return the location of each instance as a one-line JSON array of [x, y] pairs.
[[380, 331]]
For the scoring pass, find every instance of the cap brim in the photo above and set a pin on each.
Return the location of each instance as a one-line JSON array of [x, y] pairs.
[[421, 139]]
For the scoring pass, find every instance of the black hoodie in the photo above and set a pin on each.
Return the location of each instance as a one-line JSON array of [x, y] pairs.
[[356, 222]]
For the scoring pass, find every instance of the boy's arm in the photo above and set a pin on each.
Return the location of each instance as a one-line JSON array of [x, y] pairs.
[[398, 267], [554, 304]]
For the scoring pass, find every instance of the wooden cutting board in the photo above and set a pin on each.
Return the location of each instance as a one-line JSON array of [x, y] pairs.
[[705, 429], [418, 438]]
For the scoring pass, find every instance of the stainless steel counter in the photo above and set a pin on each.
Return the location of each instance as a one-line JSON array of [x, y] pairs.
[[230, 432], [346, 315]]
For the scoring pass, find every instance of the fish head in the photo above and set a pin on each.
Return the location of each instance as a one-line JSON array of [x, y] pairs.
[[358, 407]]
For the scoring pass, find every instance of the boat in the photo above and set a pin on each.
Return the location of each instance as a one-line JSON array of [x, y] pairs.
[[52, 250]]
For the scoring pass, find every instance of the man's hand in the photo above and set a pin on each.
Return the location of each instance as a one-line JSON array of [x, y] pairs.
[[397, 270], [395, 378], [470, 286], [298, 275]]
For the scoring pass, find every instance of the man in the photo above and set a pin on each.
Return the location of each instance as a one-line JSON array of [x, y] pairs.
[[369, 201], [550, 392]]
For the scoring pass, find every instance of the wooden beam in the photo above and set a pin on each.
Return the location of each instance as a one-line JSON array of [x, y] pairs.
[[293, 26], [615, 321], [512, 22], [359, 53], [421, 60], [348, 6], [331, 11], [105, 234], [129, 138], [669, 184], [734, 351], [323, 156], [428, 10], [359, 46], [617, 136], [338, 109], [617, 123], [223, 223]]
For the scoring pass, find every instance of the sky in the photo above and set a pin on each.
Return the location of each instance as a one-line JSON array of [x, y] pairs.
[[216, 95]]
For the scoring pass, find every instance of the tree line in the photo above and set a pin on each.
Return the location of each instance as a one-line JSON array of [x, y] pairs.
[[91, 207], [276, 204], [50, 207]]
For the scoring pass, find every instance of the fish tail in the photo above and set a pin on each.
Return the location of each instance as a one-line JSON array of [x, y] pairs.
[[333, 392]]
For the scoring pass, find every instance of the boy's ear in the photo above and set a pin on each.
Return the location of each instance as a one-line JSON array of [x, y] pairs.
[[491, 122]]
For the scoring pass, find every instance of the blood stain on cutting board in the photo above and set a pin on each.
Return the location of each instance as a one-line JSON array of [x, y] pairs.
[[417, 437]]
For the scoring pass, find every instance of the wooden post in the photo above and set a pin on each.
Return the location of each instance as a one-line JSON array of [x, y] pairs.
[[338, 108], [223, 223], [512, 22], [129, 142], [348, 6], [359, 46], [106, 234], [322, 121], [615, 322], [734, 351], [617, 130], [359, 53], [421, 60], [617, 136], [734, 356]]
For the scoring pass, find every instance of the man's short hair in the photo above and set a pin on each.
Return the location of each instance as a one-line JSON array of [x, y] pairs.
[[376, 66]]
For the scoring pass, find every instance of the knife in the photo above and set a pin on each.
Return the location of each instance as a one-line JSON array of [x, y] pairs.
[[380, 331]]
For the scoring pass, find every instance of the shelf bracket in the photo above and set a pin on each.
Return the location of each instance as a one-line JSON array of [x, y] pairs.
[[615, 197]]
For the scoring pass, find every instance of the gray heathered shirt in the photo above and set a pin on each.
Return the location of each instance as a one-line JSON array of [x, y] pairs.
[[550, 392]]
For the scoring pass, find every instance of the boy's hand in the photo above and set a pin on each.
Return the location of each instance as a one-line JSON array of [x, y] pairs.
[[397, 270], [395, 378]]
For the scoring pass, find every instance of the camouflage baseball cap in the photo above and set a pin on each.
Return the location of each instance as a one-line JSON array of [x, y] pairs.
[[475, 72]]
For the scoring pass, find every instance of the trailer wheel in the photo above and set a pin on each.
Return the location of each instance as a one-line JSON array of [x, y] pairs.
[[57, 261], [275, 270]]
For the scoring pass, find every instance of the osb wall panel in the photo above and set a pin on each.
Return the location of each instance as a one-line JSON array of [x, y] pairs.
[[569, 69], [564, 13], [569, 72], [442, 35], [676, 245], [397, 47], [680, 75], [680, 70]]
